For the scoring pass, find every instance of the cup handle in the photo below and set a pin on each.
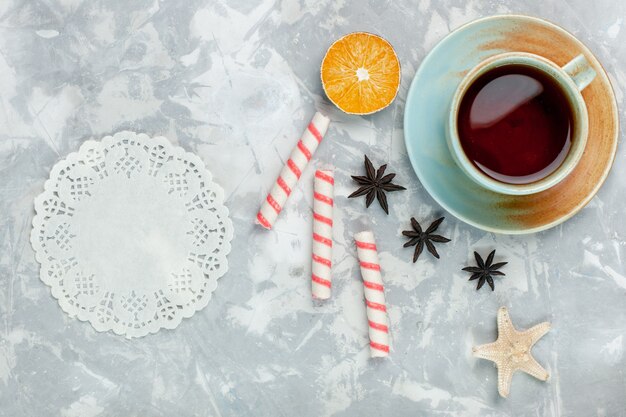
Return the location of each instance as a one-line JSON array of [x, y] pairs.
[[580, 71]]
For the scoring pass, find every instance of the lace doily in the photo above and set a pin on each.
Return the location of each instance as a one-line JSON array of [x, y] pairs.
[[131, 234]]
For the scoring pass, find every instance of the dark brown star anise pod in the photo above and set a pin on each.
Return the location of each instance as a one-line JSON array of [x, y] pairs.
[[420, 238], [374, 185], [485, 271]]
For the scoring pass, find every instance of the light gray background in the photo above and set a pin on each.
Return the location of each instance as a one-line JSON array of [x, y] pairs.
[[236, 82]]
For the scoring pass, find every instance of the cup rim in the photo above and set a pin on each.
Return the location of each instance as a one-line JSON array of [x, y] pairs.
[[580, 120]]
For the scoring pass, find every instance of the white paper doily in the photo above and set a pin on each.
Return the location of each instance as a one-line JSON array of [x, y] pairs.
[[131, 234]]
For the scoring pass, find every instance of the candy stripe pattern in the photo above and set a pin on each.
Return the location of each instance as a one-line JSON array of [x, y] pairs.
[[374, 294], [300, 156], [323, 186]]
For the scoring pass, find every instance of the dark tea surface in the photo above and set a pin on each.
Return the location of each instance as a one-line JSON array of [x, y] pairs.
[[514, 124]]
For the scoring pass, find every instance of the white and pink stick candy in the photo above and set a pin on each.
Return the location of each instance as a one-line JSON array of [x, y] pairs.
[[288, 178], [374, 294], [322, 234]]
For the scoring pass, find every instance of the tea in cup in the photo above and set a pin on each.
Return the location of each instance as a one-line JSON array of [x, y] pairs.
[[518, 123]]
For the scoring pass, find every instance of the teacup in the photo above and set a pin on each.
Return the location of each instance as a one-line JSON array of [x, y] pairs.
[[569, 80]]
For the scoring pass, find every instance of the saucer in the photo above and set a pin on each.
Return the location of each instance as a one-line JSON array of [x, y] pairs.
[[426, 112]]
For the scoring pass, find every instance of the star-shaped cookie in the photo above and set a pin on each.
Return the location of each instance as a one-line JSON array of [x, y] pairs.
[[511, 351]]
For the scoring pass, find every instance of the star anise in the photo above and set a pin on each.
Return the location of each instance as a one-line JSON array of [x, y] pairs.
[[374, 185], [485, 270], [420, 238]]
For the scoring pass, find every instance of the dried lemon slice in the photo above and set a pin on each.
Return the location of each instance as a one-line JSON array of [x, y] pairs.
[[361, 73]]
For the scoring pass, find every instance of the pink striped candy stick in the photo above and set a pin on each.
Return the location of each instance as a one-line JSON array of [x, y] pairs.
[[322, 234], [300, 157], [374, 294]]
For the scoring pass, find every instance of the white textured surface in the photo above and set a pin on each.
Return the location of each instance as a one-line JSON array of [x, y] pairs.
[[236, 82]]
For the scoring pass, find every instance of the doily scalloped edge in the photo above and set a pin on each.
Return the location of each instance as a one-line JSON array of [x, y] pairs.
[[37, 221]]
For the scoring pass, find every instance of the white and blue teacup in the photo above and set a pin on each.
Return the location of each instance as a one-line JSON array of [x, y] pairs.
[[571, 78]]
